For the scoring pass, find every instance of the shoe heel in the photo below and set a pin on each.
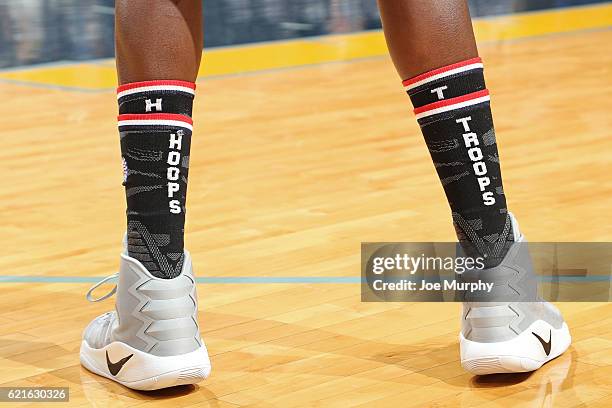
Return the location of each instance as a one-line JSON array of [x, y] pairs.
[[488, 322]]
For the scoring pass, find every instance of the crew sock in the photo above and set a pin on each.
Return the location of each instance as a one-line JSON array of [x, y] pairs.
[[155, 128], [452, 107]]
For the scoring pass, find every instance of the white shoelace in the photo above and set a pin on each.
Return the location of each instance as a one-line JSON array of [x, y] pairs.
[[103, 281]]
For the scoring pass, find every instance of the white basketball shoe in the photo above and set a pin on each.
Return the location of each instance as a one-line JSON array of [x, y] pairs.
[[519, 333], [152, 339]]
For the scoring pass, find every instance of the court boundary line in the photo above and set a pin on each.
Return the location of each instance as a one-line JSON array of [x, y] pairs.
[[264, 279]]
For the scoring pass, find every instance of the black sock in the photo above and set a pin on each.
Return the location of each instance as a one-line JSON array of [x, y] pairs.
[[155, 128], [453, 109]]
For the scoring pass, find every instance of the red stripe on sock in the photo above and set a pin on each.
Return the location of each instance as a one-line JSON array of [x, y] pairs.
[[452, 101], [143, 84], [437, 71], [155, 116]]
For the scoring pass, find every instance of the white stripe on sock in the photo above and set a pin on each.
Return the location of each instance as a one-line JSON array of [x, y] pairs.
[[445, 74], [155, 122], [155, 88], [453, 107]]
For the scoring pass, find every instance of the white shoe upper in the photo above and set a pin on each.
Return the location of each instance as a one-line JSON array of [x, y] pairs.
[[517, 306], [154, 315]]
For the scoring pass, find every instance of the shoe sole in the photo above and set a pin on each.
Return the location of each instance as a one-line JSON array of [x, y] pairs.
[[521, 354], [144, 371]]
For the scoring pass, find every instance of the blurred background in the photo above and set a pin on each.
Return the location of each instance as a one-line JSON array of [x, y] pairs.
[[305, 148], [40, 31]]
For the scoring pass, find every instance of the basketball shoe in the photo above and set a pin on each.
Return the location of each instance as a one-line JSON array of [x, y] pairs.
[[511, 329], [152, 339]]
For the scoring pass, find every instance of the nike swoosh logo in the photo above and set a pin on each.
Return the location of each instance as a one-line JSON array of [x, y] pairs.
[[545, 344], [114, 368]]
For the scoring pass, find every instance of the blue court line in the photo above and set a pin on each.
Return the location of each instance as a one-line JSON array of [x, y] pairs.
[[267, 279], [53, 86], [207, 279]]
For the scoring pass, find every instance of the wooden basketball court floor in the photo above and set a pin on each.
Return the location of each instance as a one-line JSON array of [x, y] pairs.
[[291, 170]]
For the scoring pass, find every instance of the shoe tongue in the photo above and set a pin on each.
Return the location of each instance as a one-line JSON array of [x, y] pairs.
[[515, 228], [124, 244]]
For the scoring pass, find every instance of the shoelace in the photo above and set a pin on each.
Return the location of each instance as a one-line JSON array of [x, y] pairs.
[[103, 281]]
